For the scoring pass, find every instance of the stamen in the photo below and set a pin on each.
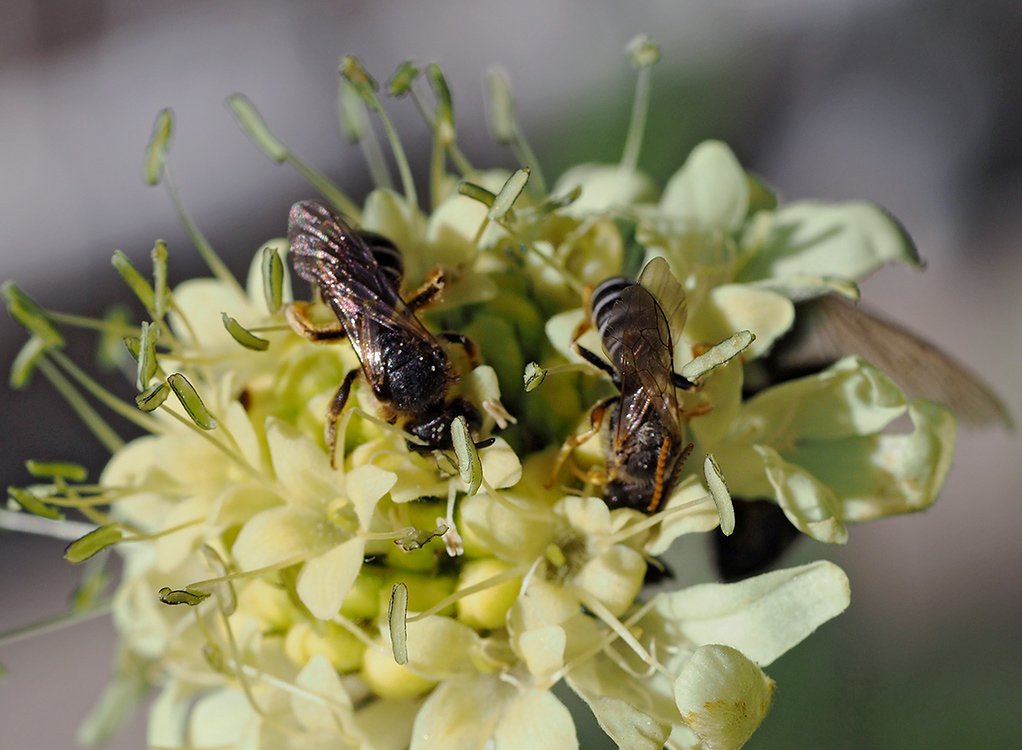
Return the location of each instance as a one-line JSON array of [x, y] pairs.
[[272, 268], [354, 118], [504, 125], [397, 617], [644, 53], [135, 281], [96, 424], [366, 87], [490, 582], [653, 520], [243, 335]]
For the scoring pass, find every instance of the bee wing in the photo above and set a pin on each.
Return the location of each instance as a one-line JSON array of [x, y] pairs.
[[327, 252], [640, 331], [834, 327], [657, 277]]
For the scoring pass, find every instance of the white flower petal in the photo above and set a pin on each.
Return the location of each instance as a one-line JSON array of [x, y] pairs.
[[319, 678], [604, 188], [451, 229], [365, 486], [501, 467], [512, 535], [325, 580], [614, 578], [542, 651], [710, 191], [535, 720], [459, 715], [441, 647], [628, 726], [301, 465], [218, 719], [730, 308], [880, 475], [203, 300], [764, 616], [722, 696], [808, 503], [281, 534], [849, 240], [387, 724], [699, 517]]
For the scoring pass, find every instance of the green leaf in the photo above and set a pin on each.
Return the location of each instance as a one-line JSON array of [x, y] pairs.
[[255, 127], [159, 142], [191, 401], [94, 542]]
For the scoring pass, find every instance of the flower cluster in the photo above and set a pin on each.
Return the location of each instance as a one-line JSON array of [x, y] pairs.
[[388, 598]]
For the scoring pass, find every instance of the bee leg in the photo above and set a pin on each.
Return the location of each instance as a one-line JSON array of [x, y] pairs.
[[298, 318], [471, 350], [596, 361], [657, 500], [429, 291], [334, 413], [573, 441]]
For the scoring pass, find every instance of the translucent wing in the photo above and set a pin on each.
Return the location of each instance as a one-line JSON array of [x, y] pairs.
[[831, 327], [639, 336], [325, 251], [660, 281]]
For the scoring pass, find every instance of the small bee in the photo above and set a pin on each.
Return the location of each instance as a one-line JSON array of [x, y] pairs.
[[359, 276], [646, 449]]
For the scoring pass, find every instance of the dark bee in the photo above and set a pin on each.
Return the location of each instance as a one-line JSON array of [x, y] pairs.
[[359, 275], [646, 448]]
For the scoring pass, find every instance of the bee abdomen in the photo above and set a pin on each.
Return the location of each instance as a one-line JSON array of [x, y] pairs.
[[608, 315]]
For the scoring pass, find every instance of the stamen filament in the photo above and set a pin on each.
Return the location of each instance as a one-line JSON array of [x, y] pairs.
[[55, 623], [94, 324], [447, 601], [201, 585], [653, 520], [96, 424], [323, 184], [27, 523], [637, 124]]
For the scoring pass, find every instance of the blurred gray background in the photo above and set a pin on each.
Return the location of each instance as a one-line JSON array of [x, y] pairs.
[[916, 105]]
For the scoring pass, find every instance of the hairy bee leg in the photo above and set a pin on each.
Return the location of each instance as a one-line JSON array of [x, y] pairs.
[[573, 441], [334, 413], [460, 339], [298, 318], [596, 361], [657, 500], [430, 291]]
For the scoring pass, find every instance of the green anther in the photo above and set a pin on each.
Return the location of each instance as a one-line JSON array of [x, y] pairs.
[[720, 494], [25, 361], [401, 82], [360, 79], [470, 468], [643, 51], [152, 397], [156, 151], [147, 366], [161, 294], [242, 335], [94, 542], [534, 376], [191, 402], [397, 617], [476, 193], [500, 106], [30, 314], [191, 597], [272, 268], [65, 470], [33, 504], [509, 194], [445, 104], [135, 281], [134, 346], [718, 355], [255, 127]]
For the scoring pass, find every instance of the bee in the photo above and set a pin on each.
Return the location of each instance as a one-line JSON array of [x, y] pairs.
[[359, 275], [646, 447]]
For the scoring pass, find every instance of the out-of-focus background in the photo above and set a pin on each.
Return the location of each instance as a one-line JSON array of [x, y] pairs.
[[914, 104]]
